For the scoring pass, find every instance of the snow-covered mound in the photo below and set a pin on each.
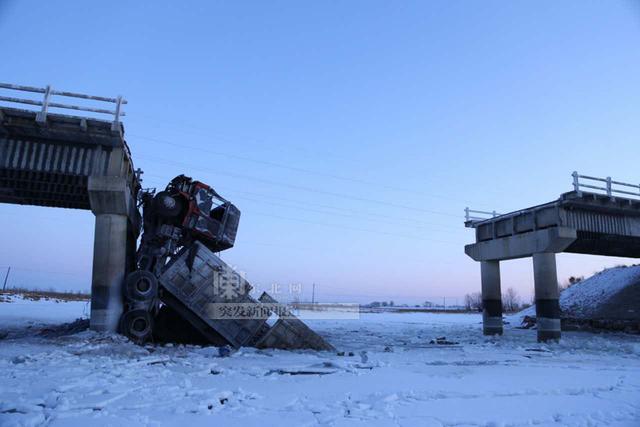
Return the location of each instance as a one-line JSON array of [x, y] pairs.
[[612, 294]]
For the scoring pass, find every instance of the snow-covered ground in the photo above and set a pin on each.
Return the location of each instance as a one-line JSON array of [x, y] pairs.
[[20, 312], [600, 296], [395, 377]]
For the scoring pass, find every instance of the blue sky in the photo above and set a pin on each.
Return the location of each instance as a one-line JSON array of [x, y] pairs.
[[350, 134]]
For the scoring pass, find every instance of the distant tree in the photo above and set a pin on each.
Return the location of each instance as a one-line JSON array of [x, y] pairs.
[[573, 280], [510, 300], [570, 282], [467, 302], [375, 304], [384, 303], [473, 301], [296, 299], [391, 304]]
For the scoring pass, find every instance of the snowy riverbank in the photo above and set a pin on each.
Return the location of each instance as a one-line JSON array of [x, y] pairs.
[[612, 294]]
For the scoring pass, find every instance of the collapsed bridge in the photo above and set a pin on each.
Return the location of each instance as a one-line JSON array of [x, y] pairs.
[[169, 287], [599, 217], [78, 162]]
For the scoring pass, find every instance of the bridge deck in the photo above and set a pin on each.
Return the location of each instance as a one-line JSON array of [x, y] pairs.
[[596, 224], [48, 164], [67, 161]]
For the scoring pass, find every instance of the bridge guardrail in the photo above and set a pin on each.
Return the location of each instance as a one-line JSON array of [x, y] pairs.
[[469, 217], [611, 187], [49, 92]]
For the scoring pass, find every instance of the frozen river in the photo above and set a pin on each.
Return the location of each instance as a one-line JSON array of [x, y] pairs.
[[394, 377]]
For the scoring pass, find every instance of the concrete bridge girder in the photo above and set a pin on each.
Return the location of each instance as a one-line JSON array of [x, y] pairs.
[[554, 240]]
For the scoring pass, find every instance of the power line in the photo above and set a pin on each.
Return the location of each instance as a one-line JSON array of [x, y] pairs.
[[208, 133], [353, 212], [298, 169], [338, 214], [388, 220], [302, 188], [354, 228], [377, 232]]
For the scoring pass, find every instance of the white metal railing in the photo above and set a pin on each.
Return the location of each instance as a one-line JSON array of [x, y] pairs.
[[487, 215], [611, 187], [49, 92]]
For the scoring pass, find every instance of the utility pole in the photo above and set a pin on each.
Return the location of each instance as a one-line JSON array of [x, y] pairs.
[[313, 294], [6, 276]]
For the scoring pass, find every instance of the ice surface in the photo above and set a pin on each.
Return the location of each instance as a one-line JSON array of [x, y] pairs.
[[389, 375]]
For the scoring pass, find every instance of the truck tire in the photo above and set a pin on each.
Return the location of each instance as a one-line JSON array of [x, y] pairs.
[[137, 325], [141, 286], [167, 206]]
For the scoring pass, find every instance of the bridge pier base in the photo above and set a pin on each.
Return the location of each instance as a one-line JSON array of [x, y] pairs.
[[547, 294], [491, 298], [109, 261]]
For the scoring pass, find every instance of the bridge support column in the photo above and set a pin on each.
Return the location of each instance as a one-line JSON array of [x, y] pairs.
[[546, 290], [109, 260], [114, 207], [491, 298]]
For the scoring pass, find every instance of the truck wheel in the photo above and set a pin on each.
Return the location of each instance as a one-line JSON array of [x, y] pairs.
[[141, 285], [167, 206], [137, 325]]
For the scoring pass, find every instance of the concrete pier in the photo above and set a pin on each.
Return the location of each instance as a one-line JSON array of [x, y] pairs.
[[491, 298], [109, 256], [111, 202], [547, 294]]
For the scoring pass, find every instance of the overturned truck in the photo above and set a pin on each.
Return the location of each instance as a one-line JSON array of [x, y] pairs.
[[181, 291]]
